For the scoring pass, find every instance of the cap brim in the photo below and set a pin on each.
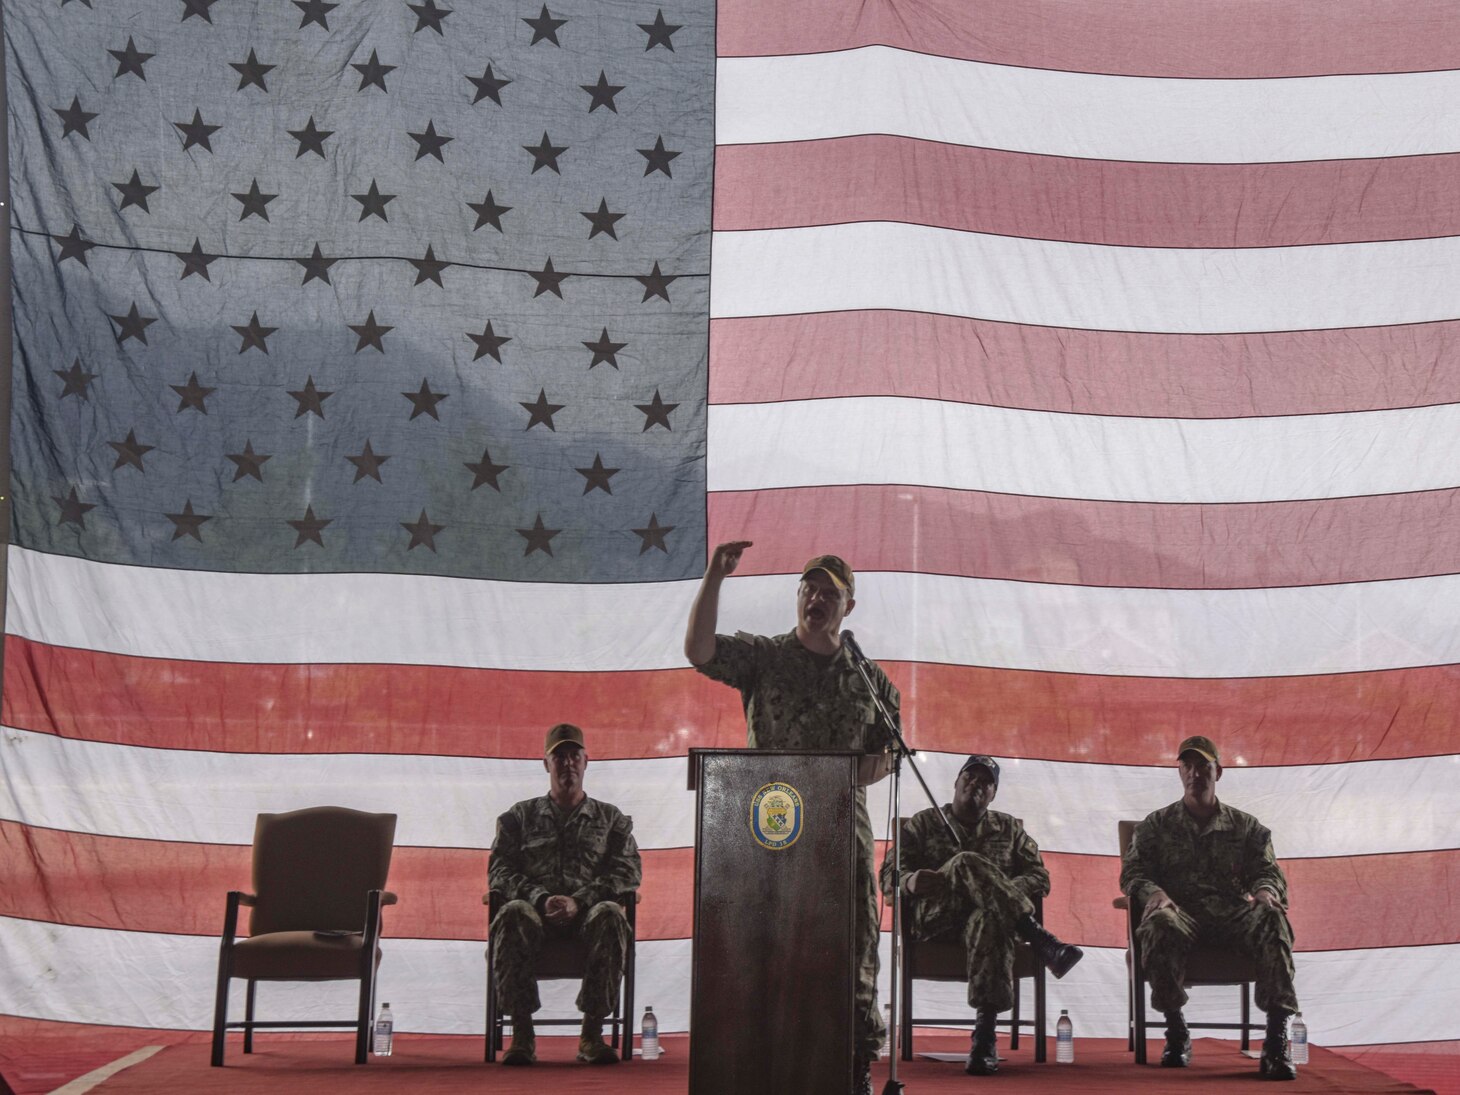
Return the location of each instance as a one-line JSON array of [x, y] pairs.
[[1200, 753], [834, 579]]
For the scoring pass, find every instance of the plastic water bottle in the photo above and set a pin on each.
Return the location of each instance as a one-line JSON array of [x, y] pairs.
[[1298, 1039], [1064, 1040], [649, 1036], [384, 1032]]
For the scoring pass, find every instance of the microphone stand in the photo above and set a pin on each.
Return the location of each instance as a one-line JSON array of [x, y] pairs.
[[900, 750]]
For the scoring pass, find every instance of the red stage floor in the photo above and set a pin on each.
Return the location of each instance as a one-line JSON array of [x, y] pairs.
[[435, 1064]]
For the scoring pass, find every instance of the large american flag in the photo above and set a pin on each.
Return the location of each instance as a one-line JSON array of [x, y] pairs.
[[382, 371]]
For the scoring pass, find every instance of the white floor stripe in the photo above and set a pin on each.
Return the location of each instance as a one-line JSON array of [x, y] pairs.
[[179, 795], [97, 1076], [814, 96]]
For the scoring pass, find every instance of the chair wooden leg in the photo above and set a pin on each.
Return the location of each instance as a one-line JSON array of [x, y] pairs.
[[220, 1014], [1014, 1019], [1246, 1017], [249, 998], [489, 1053], [362, 1019], [628, 997], [905, 1020], [1041, 1018]]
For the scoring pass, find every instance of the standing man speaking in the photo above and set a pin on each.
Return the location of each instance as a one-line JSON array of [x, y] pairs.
[[801, 690]]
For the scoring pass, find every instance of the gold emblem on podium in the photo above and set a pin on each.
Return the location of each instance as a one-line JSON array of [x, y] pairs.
[[775, 816]]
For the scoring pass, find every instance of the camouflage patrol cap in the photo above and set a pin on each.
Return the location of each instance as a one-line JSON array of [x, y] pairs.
[[1202, 746], [835, 568], [564, 733], [979, 760]]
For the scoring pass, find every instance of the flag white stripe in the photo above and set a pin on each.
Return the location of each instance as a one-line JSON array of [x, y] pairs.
[[879, 89], [186, 795], [139, 979], [324, 618], [1009, 279], [884, 439]]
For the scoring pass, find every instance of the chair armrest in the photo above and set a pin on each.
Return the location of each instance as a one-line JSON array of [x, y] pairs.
[[1121, 902], [388, 898], [244, 898], [628, 897]]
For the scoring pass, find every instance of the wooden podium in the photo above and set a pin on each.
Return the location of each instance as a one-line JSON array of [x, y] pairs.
[[771, 1004]]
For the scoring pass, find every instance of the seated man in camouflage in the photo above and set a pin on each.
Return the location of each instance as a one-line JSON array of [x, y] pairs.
[[1200, 871], [560, 860], [978, 891]]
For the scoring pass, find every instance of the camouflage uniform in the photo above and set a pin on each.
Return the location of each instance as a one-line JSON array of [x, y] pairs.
[[588, 854], [993, 873], [795, 699], [1206, 872]]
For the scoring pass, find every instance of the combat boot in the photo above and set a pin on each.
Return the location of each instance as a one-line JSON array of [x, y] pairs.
[[1277, 1055], [1059, 958], [983, 1054], [523, 1050], [592, 1049], [1177, 1051]]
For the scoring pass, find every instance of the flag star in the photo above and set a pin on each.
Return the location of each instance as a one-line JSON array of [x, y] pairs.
[[545, 154], [602, 93], [540, 411], [311, 138], [368, 463], [309, 527], [373, 203], [73, 509], [429, 142], [655, 284], [658, 158], [135, 192], [373, 72], [429, 15], [548, 280], [538, 537], [253, 334], [429, 268], [188, 523], [195, 261], [660, 32], [131, 60], [130, 452], [653, 536], [309, 400], [656, 413], [133, 325], [423, 532], [424, 401], [544, 28], [251, 71], [489, 86], [484, 471], [198, 8], [597, 476], [74, 119], [489, 342], [370, 332], [197, 132], [192, 394], [76, 380], [255, 203], [316, 266], [603, 221], [314, 12], [604, 350], [73, 246], [488, 212], [248, 462]]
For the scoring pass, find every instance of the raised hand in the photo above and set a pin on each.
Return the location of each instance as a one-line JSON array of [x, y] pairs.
[[725, 558]]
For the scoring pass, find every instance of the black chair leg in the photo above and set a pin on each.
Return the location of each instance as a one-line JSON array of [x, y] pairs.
[[1014, 1019], [1041, 1018], [1246, 1018], [249, 997], [905, 1020], [489, 1054], [362, 1019], [220, 1015]]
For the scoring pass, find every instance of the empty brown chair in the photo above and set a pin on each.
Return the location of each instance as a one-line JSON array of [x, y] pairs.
[[315, 915], [1204, 966]]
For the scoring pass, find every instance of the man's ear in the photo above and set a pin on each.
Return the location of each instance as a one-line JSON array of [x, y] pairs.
[[851, 604]]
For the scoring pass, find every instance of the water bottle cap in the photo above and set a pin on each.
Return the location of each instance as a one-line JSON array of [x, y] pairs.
[[386, 1004], [1064, 1011]]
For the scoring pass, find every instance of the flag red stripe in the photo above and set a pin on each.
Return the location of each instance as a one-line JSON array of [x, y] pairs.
[[920, 355], [178, 889], [1257, 38], [1074, 541], [461, 712], [864, 178]]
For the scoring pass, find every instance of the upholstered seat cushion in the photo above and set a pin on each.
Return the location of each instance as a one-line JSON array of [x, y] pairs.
[[299, 956], [946, 960]]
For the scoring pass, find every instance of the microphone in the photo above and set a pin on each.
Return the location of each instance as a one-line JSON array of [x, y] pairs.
[[850, 642]]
